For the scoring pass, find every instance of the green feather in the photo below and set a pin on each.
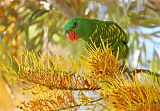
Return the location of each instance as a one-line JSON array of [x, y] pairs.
[[94, 29]]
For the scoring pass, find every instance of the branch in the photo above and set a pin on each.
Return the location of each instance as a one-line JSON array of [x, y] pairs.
[[78, 105], [51, 87], [145, 71]]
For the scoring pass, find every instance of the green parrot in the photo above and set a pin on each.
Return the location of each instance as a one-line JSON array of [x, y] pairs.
[[92, 29]]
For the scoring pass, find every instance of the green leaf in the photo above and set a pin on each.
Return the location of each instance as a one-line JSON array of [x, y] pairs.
[[32, 31], [38, 14]]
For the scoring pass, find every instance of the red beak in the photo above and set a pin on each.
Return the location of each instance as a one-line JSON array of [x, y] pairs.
[[72, 36]]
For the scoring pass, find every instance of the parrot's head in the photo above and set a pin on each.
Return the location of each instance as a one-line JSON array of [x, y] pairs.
[[77, 28]]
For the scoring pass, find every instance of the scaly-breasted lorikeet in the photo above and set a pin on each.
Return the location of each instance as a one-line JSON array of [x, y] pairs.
[[88, 29]]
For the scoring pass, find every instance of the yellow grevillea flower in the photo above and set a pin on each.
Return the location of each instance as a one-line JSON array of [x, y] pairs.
[[53, 72], [135, 94], [100, 63]]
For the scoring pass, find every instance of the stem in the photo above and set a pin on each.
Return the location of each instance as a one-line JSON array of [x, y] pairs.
[[145, 71], [51, 87], [78, 105]]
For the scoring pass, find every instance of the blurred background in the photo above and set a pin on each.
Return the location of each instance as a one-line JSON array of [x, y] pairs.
[[36, 25]]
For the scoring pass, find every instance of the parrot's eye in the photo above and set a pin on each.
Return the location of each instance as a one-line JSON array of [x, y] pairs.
[[75, 24]]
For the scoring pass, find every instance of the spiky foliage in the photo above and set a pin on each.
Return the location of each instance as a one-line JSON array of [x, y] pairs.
[[118, 90], [49, 80], [135, 94], [100, 63], [52, 72], [55, 83]]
